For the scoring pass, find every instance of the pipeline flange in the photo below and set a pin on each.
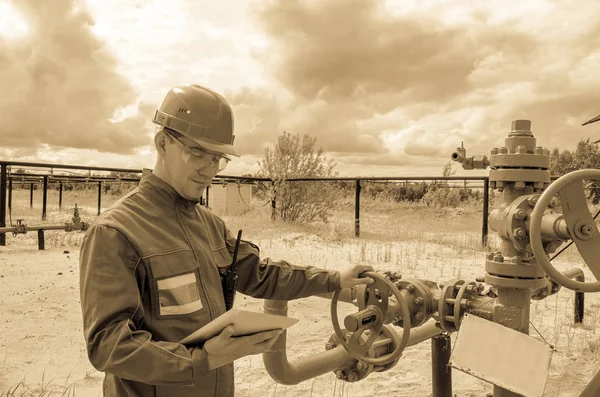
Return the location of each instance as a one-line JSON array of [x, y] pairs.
[[446, 306], [507, 282], [418, 296], [498, 265], [520, 175], [525, 160]]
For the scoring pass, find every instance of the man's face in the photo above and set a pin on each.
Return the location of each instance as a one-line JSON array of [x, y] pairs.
[[190, 168]]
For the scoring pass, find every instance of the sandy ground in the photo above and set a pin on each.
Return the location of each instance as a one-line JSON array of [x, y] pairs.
[[41, 340]]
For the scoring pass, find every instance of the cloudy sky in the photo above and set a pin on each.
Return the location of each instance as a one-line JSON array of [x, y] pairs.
[[388, 87]]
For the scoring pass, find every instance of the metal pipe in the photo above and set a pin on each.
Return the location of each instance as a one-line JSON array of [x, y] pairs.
[[99, 196], [486, 207], [273, 203], [34, 228], [138, 171], [10, 195], [44, 198], [481, 306], [292, 373], [41, 240], [578, 309], [3, 173], [67, 167], [70, 178], [357, 209], [440, 370]]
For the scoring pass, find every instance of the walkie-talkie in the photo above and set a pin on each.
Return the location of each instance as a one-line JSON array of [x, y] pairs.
[[229, 280]]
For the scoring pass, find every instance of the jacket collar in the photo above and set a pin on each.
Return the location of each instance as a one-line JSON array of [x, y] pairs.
[[160, 190]]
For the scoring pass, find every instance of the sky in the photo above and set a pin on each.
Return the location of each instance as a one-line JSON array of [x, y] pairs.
[[389, 87]]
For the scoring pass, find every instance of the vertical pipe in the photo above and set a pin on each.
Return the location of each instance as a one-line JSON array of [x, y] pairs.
[[44, 197], [3, 202], [486, 203], [578, 306], [99, 196], [207, 190], [441, 371], [31, 195], [273, 204], [60, 196], [579, 300], [357, 209], [41, 242], [10, 196]]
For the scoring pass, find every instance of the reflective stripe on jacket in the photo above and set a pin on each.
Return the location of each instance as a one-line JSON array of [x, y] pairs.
[[149, 276]]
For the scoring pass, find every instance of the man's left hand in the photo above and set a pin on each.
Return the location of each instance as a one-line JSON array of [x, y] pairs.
[[349, 277]]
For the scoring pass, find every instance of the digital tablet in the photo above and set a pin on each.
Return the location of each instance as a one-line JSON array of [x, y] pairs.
[[245, 323]]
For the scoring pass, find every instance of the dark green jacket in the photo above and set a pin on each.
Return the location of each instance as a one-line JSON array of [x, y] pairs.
[[149, 276]]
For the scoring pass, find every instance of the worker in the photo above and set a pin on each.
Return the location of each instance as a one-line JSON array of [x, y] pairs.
[[152, 265]]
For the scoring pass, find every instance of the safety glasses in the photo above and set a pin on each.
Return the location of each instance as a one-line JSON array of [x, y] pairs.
[[201, 159]]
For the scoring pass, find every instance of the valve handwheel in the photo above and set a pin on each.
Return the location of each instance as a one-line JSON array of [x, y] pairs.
[[580, 223], [371, 318]]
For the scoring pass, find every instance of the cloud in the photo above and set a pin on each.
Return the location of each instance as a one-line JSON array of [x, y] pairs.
[[322, 55], [414, 84], [386, 86], [257, 120], [64, 85]]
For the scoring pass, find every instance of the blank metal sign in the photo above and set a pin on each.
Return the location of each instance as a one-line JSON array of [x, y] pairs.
[[502, 356]]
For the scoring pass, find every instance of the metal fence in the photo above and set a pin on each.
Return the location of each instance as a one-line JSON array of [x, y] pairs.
[[7, 178]]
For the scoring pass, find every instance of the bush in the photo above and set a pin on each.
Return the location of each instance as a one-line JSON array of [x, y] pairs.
[[442, 197], [295, 157]]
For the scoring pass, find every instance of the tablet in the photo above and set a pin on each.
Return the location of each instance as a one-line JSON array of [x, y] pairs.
[[245, 323]]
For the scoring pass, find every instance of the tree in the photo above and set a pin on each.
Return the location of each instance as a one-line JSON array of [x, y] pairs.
[[586, 155], [448, 170], [441, 194], [297, 157]]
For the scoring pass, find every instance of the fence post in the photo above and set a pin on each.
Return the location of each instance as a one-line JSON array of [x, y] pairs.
[[41, 240], [10, 195], [357, 209], [3, 202], [99, 196], [31, 195], [60, 196], [273, 204], [44, 197], [486, 200]]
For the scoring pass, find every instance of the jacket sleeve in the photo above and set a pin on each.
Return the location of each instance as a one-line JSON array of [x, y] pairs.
[[269, 279], [111, 308]]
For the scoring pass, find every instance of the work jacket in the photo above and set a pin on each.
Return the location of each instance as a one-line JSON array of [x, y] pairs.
[[149, 276]]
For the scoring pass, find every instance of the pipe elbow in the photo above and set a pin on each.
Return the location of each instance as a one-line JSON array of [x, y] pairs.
[[291, 373], [278, 367]]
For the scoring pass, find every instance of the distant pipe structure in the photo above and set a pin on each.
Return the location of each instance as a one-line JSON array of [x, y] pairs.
[[53, 178], [22, 228]]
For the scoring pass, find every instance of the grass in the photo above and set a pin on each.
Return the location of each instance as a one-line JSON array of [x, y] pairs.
[[393, 236], [44, 389]]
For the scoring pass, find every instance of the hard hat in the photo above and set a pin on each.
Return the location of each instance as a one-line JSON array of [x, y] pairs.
[[200, 114]]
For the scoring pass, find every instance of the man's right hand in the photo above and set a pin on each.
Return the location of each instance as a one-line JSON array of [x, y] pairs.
[[223, 348]]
